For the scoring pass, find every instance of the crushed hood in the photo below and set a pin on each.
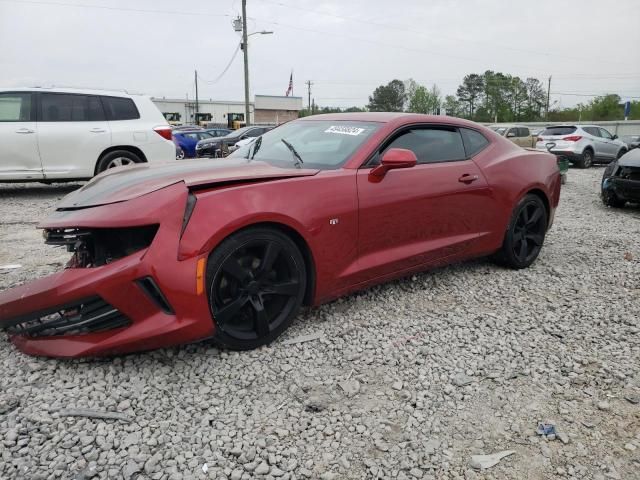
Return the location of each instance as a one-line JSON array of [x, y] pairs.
[[126, 183], [630, 159]]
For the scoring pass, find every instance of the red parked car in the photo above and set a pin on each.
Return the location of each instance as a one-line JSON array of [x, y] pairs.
[[316, 208]]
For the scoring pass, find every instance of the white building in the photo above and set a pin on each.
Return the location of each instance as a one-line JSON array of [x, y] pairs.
[[267, 109]]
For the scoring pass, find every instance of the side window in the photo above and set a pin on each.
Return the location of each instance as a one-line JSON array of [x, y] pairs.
[[592, 131], [118, 108], [96, 112], [192, 136], [256, 132], [15, 107], [605, 133], [524, 132], [513, 132], [431, 145], [473, 141], [62, 107]]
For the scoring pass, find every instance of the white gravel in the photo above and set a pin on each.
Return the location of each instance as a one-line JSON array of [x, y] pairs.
[[409, 379]]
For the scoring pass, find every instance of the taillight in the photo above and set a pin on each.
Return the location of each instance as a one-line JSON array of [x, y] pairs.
[[164, 131], [572, 138]]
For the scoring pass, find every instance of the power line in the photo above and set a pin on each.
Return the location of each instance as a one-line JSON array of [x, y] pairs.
[[121, 9], [405, 28], [591, 94], [217, 79]]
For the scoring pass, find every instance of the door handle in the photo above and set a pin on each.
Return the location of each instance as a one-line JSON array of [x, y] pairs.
[[25, 130], [97, 130], [466, 178]]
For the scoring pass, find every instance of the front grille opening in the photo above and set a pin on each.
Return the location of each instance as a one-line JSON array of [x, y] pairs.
[[99, 246], [629, 173], [81, 317], [151, 289]]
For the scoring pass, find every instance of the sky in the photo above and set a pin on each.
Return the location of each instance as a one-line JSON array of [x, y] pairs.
[[345, 48]]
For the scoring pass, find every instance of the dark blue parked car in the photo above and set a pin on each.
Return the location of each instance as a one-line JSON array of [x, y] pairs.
[[186, 140]]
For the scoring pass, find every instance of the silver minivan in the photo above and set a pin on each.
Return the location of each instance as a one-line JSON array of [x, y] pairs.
[[583, 145]]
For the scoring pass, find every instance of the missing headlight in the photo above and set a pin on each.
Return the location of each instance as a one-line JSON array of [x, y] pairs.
[[99, 246]]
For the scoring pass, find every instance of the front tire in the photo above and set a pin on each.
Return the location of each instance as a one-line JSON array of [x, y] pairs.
[[256, 282], [117, 158], [586, 159], [609, 197], [525, 234]]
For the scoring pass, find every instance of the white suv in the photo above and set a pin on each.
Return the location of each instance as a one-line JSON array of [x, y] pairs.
[[57, 134], [583, 145]]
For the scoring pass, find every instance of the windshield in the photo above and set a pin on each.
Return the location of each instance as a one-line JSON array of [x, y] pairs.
[[499, 130], [323, 144]]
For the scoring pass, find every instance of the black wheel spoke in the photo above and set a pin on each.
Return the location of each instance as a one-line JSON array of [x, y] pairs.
[[522, 253], [233, 268], [271, 252], [537, 213], [525, 215], [228, 311], [535, 238], [261, 320], [288, 289]]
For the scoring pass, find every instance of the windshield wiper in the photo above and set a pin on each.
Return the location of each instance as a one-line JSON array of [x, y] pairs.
[[253, 148], [299, 161]]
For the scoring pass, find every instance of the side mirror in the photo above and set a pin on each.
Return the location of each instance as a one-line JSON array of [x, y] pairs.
[[615, 137], [392, 159], [510, 135]]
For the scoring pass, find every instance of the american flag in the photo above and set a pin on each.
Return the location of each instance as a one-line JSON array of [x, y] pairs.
[[290, 89]]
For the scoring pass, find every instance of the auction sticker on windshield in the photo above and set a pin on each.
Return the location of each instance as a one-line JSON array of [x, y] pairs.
[[344, 130]]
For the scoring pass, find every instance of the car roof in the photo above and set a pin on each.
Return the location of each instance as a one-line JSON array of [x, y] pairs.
[[397, 118], [508, 125], [88, 91], [178, 132]]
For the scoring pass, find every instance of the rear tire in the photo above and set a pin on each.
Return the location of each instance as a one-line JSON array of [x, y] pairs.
[[586, 159], [256, 282], [117, 158], [525, 234]]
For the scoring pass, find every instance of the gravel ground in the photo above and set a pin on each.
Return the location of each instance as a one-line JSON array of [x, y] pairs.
[[408, 380]]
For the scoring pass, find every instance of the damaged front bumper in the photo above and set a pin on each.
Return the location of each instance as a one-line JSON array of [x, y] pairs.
[[143, 300]]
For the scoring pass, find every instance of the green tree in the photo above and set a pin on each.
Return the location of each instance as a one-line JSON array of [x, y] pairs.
[[470, 91], [607, 107], [388, 98], [422, 100], [536, 99], [453, 107]]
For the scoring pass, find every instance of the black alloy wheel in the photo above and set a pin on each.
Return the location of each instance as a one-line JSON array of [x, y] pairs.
[[256, 281], [525, 234]]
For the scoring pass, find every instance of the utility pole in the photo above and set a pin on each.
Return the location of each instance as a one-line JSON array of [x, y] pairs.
[[309, 83], [548, 94], [245, 49], [196, 114]]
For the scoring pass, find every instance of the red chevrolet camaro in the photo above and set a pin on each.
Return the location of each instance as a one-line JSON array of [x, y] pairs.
[[316, 208]]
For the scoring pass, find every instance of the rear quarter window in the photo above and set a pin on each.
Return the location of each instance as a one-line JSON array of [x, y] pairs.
[[474, 141], [119, 108]]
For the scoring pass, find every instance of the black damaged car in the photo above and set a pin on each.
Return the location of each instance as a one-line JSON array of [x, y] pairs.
[[621, 180]]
